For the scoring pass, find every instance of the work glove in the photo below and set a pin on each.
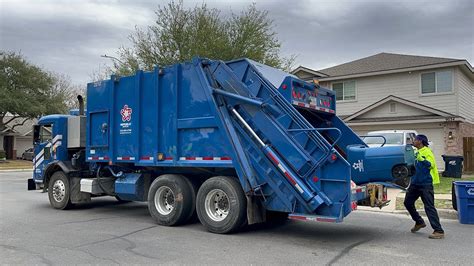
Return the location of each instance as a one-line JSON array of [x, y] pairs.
[[420, 158]]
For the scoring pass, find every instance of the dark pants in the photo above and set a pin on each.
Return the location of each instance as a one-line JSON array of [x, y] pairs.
[[427, 196]]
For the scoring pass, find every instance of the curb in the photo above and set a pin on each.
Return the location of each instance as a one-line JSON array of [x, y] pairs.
[[442, 213], [16, 170]]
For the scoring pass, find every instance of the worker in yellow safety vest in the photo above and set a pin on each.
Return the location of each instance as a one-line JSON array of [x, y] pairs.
[[421, 185]]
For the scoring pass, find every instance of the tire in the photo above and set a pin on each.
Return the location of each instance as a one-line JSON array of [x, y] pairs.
[[171, 200], [194, 186], [400, 174], [221, 205], [59, 191]]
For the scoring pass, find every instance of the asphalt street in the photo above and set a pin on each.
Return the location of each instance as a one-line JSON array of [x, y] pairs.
[[108, 232]]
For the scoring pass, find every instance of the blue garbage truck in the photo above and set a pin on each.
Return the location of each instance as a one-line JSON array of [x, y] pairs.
[[232, 143]]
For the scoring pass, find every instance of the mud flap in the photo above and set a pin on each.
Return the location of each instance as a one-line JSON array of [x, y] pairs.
[[255, 210], [31, 184], [76, 195]]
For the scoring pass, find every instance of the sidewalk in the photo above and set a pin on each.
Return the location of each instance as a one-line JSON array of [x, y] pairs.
[[17, 170], [393, 194]]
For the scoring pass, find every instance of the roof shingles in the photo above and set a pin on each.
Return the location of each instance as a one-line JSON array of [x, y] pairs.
[[383, 62]]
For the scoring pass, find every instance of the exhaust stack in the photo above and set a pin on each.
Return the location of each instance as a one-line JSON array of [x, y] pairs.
[[81, 104]]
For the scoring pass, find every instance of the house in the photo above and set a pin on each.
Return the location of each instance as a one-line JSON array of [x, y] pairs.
[[14, 140], [432, 95]]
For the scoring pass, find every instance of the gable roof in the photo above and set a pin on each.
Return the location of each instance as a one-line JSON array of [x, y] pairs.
[[308, 70], [22, 129], [436, 112], [385, 63]]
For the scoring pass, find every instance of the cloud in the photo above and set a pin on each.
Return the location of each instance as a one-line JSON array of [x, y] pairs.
[[70, 36], [364, 28]]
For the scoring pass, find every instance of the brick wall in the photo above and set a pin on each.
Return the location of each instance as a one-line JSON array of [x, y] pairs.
[[454, 145]]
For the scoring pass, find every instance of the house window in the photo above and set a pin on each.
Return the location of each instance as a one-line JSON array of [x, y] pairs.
[[436, 82], [344, 90]]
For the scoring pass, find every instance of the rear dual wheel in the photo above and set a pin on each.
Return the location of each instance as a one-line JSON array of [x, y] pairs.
[[171, 200], [221, 205]]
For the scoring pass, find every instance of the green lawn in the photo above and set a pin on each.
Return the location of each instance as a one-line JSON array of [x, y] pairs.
[[16, 164], [444, 187]]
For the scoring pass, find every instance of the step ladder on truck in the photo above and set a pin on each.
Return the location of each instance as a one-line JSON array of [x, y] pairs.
[[233, 142]]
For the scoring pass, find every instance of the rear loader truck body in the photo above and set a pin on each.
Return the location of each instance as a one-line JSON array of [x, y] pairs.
[[231, 142]]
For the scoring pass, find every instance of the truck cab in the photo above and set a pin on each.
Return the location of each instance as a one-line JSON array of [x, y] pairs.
[[56, 138], [49, 135]]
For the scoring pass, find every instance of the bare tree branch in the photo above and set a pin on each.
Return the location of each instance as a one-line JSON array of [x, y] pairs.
[[11, 119], [20, 124]]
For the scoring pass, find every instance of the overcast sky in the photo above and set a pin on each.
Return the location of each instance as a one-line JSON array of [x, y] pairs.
[[69, 36]]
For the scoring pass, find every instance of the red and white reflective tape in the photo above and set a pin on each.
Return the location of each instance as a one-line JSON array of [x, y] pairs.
[[147, 158], [312, 218], [126, 158], [98, 158], [307, 105], [285, 172], [204, 158], [357, 190]]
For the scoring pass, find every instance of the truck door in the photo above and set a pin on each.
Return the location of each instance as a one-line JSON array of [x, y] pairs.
[[42, 141]]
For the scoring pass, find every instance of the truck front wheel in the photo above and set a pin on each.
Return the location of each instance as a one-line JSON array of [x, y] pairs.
[[171, 200], [59, 191], [221, 204]]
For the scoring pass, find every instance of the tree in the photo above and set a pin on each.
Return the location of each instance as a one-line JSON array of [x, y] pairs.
[[64, 89], [180, 34], [27, 91]]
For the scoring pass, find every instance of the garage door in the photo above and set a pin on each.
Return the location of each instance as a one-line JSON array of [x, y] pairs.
[[435, 135]]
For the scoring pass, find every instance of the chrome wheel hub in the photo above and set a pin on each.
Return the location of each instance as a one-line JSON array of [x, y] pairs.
[[164, 200], [59, 190], [217, 205]]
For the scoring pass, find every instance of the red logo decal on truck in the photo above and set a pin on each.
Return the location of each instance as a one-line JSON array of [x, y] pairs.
[[126, 113]]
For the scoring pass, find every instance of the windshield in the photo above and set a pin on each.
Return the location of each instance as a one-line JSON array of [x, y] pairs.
[[392, 138]]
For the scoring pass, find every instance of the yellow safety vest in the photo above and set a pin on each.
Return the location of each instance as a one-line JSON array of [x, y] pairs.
[[428, 155]]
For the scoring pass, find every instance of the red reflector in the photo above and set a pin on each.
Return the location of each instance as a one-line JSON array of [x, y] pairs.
[[354, 205], [333, 157], [315, 179], [284, 86]]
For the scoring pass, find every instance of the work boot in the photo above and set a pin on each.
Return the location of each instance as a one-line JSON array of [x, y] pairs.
[[437, 235], [417, 227]]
